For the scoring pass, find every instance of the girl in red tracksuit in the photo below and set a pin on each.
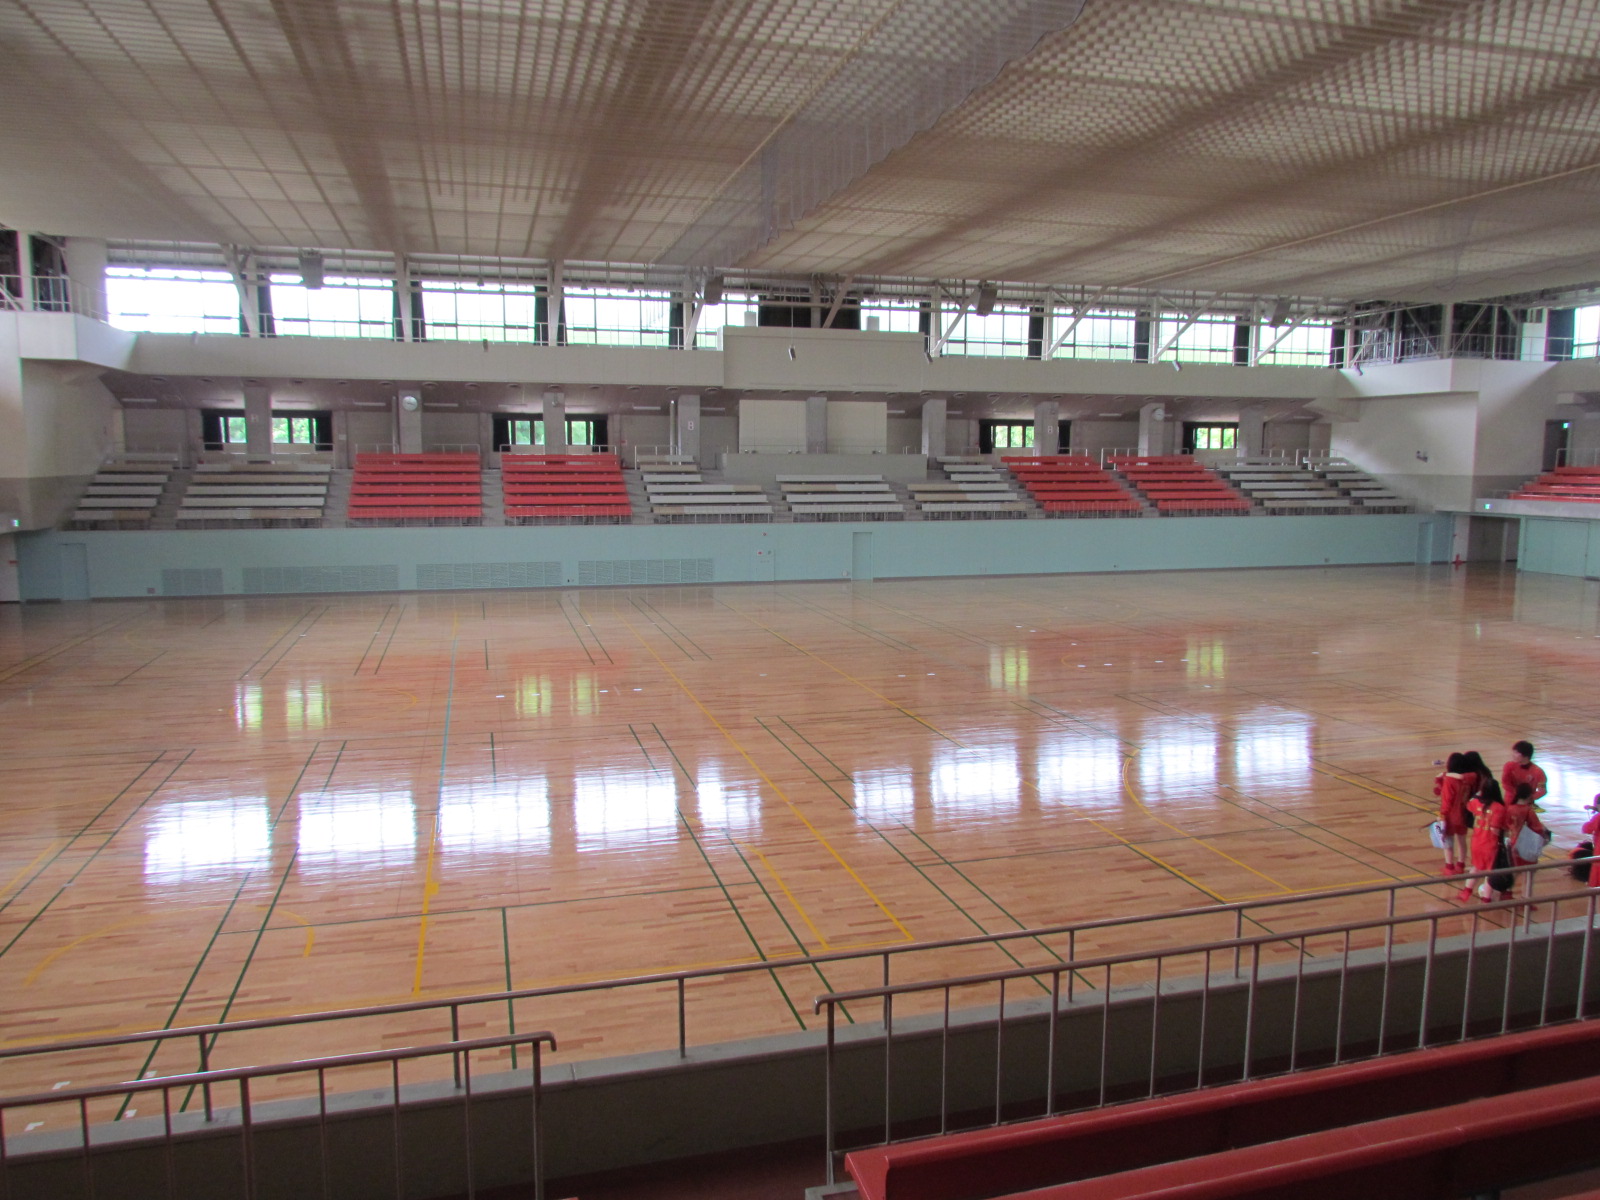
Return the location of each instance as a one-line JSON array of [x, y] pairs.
[[1520, 815], [1453, 788], [1488, 809]]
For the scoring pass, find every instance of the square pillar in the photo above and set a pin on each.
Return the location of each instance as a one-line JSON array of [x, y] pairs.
[[1047, 427], [86, 272], [686, 427], [555, 422], [1252, 439], [816, 424], [935, 427], [408, 420], [1153, 429], [257, 420]]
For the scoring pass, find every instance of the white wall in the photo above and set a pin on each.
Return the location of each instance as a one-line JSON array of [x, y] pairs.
[[858, 426], [772, 426], [1390, 432]]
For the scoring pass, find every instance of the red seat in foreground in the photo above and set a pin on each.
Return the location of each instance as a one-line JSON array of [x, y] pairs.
[[1396, 1111]]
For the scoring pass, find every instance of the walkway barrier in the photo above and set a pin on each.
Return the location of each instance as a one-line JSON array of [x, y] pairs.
[[277, 1147], [1346, 991], [1042, 948]]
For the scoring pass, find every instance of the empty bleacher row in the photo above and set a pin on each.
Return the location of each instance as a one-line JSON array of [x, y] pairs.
[[417, 489], [540, 488], [678, 491], [449, 488], [1579, 485], [1178, 484], [246, 494], [124, 493], [1073, 485]]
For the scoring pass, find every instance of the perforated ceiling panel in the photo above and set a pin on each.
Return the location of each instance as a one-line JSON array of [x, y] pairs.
[[1404, 148]]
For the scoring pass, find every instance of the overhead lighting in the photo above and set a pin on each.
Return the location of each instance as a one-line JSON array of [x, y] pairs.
[[713, 293], [988, 294], [310, 269]]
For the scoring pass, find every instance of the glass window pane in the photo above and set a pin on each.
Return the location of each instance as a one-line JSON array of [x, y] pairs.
[[345, 306], [496, 312], [1102, 333], [158, 300], [280, 429]]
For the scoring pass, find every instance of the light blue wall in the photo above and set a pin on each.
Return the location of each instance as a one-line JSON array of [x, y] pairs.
[[1560, 547], [123, 564]]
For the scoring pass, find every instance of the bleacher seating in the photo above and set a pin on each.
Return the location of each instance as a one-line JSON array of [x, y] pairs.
[[1073, 485], [1579, 485], [1281, 486], [423, 489], [543, 488], [123, 494], [252, 494], [972, 488], [1177, 484], [1365, 492], [850, 497], [687, 496], [1395, 1119]]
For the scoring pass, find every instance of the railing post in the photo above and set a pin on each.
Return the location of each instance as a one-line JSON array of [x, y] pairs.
[[455, 1036], [683, 1020], [827, 1101], [205, 1065], [246, 1141], [538, 1132]]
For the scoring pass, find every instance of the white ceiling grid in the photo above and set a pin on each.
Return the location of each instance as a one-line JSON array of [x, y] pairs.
[[1346, 148]]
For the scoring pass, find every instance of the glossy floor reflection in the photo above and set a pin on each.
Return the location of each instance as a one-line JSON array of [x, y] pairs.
[[230, 808]]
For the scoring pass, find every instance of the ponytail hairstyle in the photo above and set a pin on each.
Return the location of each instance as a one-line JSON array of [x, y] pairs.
[[1473, 761], [1456, 764], [1490, 793]]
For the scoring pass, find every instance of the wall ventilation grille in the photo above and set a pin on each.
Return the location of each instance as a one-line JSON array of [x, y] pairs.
[[191, 581], [436, 577], [598, 572], [322, 579]]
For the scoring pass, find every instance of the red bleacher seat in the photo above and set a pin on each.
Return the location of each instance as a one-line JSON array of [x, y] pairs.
[[1176, 483], [1399, 1111], [1072, 484], [416, 487], [1564, 484], [563, 486]]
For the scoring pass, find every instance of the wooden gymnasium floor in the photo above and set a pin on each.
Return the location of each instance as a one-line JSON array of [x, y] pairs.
[[230, 808]]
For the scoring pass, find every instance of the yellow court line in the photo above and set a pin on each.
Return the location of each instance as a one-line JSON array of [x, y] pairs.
[[430, 889], [846, 675], [1376, 791], [311, 933], [768, 780], [1127, 786], [55, 844], [48, 959], [793, 899]]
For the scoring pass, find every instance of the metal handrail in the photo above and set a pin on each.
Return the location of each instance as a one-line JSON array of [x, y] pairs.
[[1237, 946], [459, 1051], [207, 1034]]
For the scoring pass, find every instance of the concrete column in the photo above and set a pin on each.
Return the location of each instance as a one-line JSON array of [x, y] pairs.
[[408, 419], [86, 270], [258, 420], [1153, 429], [1047, 427], [340, 420], [1252, 439], [935, 426], [402, 298], [27, 293], [555, 422], [686, 426], [816, 424]]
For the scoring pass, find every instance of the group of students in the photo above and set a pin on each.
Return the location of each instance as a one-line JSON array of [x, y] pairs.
[[1481, 818]]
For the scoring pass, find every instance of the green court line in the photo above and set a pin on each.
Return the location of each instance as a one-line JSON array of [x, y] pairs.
[[293, 625], [669, 630], [726, 895], [183, 994], [394, 629], [362, 661]]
